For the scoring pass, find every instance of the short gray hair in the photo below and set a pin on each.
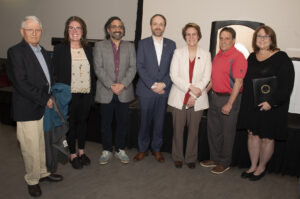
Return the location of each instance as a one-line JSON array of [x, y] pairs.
[[34, 18]]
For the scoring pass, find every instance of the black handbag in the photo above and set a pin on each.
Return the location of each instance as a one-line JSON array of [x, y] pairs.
[[263, 89]]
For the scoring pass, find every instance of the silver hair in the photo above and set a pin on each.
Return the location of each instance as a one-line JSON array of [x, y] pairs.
[[34, 18]]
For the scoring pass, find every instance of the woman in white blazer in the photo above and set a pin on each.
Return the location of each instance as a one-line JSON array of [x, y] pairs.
[[190, 73]]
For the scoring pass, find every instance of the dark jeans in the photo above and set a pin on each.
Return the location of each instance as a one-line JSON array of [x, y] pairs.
[[121, 114]]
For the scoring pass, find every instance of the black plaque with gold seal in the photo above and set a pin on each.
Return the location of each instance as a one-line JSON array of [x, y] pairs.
[[263, 89]]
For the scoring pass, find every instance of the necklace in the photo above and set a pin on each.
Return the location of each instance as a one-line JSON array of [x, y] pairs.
[[80, 68]]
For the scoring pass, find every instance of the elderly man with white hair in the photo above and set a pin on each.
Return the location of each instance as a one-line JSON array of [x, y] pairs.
[[29, 69]]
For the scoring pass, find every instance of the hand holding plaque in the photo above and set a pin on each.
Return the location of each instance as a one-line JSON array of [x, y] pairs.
[[263, 89]]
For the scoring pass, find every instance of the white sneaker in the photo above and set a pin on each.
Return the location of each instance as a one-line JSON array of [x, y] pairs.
[[122, 156], [105, 157]]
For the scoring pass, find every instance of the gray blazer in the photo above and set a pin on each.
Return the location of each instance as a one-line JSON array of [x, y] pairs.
[[105, 71]]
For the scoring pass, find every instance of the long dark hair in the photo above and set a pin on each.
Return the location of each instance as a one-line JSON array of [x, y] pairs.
[[83, 40], [107, 24]]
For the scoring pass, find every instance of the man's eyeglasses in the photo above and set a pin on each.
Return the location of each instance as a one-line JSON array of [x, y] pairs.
[[115, 27], [73, 28], [33, 30]]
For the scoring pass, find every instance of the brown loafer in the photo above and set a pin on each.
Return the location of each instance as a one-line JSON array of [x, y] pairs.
[[208, 163], [158, 156], [178, 164], [219, 169], [140, 156]]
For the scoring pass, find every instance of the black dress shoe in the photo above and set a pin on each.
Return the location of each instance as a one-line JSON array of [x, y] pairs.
[[255, 178], [178, 164], [52, 178], [191, 165], [84, 160], [76, 163], [246, 175], [34, 190]]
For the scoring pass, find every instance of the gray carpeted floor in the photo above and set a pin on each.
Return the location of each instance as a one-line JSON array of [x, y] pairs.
[[147, 179]]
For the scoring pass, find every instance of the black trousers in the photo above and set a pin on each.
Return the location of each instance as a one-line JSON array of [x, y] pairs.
[[79, 110], [121, 114]]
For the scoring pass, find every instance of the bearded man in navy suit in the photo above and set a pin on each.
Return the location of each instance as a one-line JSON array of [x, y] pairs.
[[154, 56]]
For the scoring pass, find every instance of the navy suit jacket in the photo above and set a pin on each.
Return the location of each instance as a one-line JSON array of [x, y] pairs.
[[30, 85], [148, 69]]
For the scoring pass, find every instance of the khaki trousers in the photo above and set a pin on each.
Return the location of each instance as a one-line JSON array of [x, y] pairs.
[[180, 119], [31, 137]]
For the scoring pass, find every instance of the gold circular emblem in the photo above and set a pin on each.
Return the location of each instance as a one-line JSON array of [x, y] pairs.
[[265, 89]]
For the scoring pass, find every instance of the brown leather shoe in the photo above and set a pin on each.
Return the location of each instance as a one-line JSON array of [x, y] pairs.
[[140, 156], [158, 156], [178, 164], [208, 163], [219, 169]]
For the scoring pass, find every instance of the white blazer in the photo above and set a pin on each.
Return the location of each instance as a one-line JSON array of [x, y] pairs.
[[179, 73]]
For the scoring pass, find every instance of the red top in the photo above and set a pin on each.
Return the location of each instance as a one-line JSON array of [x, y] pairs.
[[226, 67], [191, 71]]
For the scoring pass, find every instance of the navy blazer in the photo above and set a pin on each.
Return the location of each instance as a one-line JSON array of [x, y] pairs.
[[30, 85], [148, 69], [62, 64]]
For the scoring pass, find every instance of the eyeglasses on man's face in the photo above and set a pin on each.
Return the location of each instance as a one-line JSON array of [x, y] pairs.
[[33, 30], [116, 27]]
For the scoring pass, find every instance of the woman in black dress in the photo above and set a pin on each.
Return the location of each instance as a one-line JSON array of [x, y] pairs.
[[73, 65], [268, 120]]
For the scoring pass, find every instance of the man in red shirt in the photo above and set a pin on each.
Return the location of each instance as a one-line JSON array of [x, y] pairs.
[[228, 70]]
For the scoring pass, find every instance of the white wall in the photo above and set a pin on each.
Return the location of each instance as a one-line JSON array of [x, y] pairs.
[[282, 16], [54, 13]]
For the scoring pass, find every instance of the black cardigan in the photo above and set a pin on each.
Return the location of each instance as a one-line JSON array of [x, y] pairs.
[[62, 64]]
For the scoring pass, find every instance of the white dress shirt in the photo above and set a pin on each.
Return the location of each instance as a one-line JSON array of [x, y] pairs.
[[158, 48]]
